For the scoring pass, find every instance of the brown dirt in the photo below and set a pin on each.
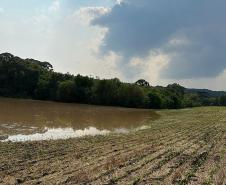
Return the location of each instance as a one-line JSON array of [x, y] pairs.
[[182, 147]]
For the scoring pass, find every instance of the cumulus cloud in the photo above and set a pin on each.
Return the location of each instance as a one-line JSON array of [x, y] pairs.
[[87, 14], [190, 33]]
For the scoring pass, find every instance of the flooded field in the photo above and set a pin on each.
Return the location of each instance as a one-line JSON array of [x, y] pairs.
[[24, 120], [182, 147]]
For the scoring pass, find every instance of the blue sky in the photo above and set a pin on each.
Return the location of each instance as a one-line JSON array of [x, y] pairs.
[[32, 4], [15, 8], [163, 41]]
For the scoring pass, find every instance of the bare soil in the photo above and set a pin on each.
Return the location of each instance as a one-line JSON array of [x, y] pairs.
[[181, 147]]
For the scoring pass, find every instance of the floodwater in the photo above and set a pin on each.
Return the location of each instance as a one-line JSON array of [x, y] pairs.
[[29, 120]]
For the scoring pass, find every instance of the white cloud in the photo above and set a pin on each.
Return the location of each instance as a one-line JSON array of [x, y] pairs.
[[39, 19], [149, 68], [190, 31], [72, 46], [87, 14], [118, 1], [55, 6], [216, 83], [156, 63]]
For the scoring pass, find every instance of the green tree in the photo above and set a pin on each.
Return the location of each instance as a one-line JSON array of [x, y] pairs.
[[222, 100], [83, 92], [142, 83], [131, 96], [106, 92], [155, 102], [66, 91], [29, 78]]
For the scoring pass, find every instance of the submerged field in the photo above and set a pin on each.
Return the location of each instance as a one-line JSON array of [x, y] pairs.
[[181, 147]]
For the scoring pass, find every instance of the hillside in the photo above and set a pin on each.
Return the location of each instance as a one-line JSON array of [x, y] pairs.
[[208, 92]]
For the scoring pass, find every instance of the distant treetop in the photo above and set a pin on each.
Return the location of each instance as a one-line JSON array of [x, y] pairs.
[[142, 83]]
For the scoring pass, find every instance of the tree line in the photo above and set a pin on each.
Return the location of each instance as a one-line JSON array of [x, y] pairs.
[[29, 78]]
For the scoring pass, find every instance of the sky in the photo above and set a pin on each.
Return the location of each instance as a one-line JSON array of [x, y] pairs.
[[162, 41]]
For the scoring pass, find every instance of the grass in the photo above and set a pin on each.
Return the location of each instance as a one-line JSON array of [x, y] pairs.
[[182, 147]]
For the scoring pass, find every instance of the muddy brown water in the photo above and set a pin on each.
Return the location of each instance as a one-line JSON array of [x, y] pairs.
[[22, 120]]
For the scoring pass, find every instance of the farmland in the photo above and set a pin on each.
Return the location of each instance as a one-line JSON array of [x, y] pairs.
[[185, 146]]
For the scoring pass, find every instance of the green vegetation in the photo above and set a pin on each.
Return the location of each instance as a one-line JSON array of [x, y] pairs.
[[28, 78]]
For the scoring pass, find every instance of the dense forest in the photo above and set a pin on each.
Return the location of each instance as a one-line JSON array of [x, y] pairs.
[[29, 78]]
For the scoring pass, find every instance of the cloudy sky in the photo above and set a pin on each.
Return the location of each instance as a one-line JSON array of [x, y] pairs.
[[162, 41]]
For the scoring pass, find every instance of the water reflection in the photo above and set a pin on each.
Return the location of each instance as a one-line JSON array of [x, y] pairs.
[[58, 133], [27, 117], [64, 133]]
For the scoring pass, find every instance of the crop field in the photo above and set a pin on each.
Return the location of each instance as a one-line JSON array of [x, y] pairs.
[[181, 147]]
